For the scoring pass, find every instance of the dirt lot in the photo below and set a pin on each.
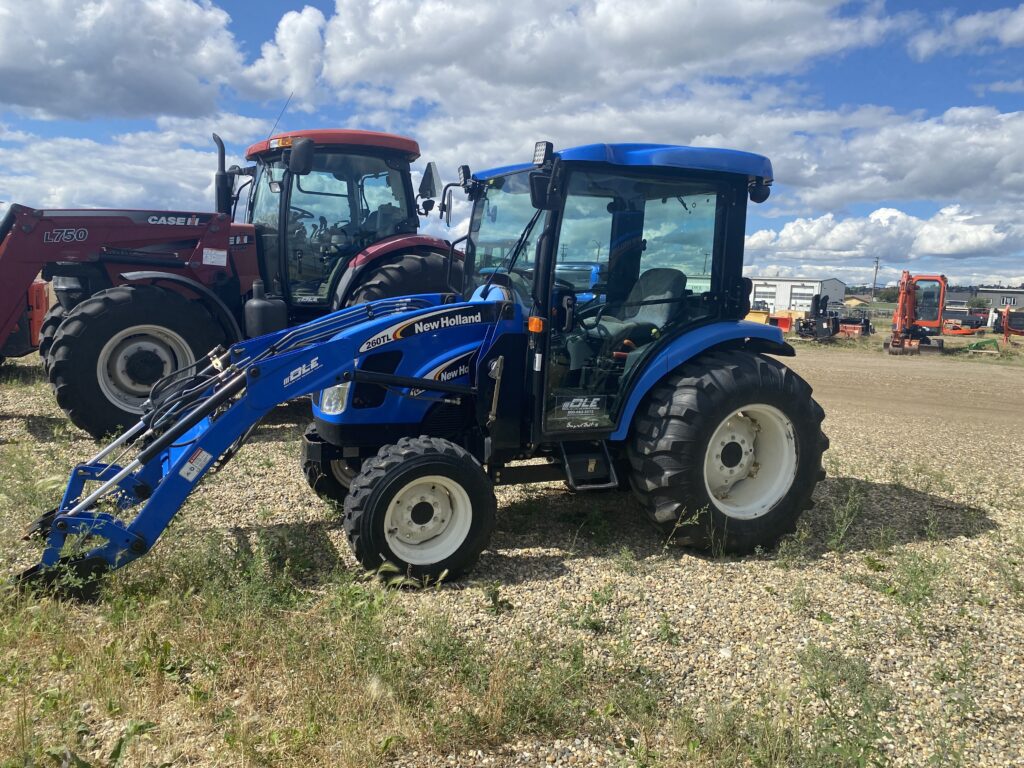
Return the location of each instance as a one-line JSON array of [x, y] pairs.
[[889, 630]]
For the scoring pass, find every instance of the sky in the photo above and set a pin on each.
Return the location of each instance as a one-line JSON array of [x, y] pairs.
[[896, 129]]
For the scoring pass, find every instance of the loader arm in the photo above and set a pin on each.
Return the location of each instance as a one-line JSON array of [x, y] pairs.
[[195, 424]]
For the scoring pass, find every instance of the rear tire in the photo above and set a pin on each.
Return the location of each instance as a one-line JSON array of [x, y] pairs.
[[423, 504], [115, 345], [726, 452], [51, 322], [405, 275]]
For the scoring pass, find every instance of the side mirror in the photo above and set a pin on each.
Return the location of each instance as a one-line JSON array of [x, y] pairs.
[[300, 159], [431, 181], [759, 191], [540, 184], [448, 207]]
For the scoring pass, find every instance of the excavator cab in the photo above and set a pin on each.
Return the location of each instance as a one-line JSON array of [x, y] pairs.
[[314, 217], [930, 298]]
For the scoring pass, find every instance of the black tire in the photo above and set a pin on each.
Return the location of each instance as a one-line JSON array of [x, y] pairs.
[[51, 322], [671, 435], [80, 340], [331, 480], [405, 275], [390, 472]]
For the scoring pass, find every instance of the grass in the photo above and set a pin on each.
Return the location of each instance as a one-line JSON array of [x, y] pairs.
[[281, 674], [833, 718]]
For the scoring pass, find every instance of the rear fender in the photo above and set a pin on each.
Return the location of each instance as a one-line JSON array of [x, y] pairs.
[[220, 311], [738, 334]]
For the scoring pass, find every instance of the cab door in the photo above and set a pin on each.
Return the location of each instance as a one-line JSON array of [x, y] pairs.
[[656, 239], [929, 302]]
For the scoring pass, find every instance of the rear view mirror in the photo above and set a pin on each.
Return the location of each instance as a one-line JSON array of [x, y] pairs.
[[448, 207], [539, 185], [300, 159], [431, 181]]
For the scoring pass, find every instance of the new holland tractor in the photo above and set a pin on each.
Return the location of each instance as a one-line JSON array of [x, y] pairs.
[[422, 404], [331, 221]]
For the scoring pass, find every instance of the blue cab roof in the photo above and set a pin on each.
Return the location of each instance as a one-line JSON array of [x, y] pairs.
[[657, 156]]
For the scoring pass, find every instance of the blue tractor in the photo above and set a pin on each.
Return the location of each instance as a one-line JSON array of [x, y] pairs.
[[422, 404]]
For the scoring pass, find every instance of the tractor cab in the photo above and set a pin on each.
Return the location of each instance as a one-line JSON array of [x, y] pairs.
[[614, 252], [320, 198]]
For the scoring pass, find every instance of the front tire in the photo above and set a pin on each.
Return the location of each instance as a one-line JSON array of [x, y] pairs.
[[423, 504], [115, 345], [727, 451]]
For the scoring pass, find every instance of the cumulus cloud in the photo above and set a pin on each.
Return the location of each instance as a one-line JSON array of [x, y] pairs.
[[968, 246], [67, 58], [290, 64], [1000, 86], [149, 169], [973, 33]]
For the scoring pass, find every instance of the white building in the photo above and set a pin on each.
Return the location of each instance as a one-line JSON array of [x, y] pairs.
[[781, 293]]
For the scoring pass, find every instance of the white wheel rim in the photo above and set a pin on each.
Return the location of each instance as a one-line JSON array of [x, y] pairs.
[[428, 520], [751, 461], [154, 348]]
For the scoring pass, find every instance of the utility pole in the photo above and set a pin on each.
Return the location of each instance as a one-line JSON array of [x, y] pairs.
[[874, 280]]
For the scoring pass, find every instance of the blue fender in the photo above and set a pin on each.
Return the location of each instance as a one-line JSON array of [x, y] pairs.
[[688, 346]]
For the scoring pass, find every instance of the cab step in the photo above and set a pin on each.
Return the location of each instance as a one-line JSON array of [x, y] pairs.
[[588, 465]]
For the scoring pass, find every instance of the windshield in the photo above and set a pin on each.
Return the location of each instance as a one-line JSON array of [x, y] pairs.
[[928, 292], [500, 217]]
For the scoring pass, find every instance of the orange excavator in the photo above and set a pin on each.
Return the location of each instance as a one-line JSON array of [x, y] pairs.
[[1011, 326], [918, 316]]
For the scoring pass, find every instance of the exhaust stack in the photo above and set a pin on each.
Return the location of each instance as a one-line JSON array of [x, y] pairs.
[[223, 184]]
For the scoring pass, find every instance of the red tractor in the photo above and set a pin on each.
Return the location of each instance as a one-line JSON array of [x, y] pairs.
[[331, 221]]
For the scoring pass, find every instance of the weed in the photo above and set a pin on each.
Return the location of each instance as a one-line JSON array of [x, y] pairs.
[[873, 563], [666, 632], [496, 604], [845, 509], [604, 595], [800, 599], [625, 560], [793, 549], [913, 579], [848, 732]]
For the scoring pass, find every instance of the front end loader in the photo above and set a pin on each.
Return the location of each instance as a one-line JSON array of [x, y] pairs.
[[648, 380]]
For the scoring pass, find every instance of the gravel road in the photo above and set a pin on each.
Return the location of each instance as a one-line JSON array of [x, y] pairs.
[[912, 561]]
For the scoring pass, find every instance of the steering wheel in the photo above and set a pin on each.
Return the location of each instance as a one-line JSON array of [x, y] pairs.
[[303, 213]]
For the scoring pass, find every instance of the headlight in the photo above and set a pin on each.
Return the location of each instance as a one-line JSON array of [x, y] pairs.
[[333, 399], [65, 283]]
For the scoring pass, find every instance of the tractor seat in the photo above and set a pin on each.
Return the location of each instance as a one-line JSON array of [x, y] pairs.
[[654, 301], [384, 221]]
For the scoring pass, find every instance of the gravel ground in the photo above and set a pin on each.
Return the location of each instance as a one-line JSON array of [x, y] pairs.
[[911, 560]]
